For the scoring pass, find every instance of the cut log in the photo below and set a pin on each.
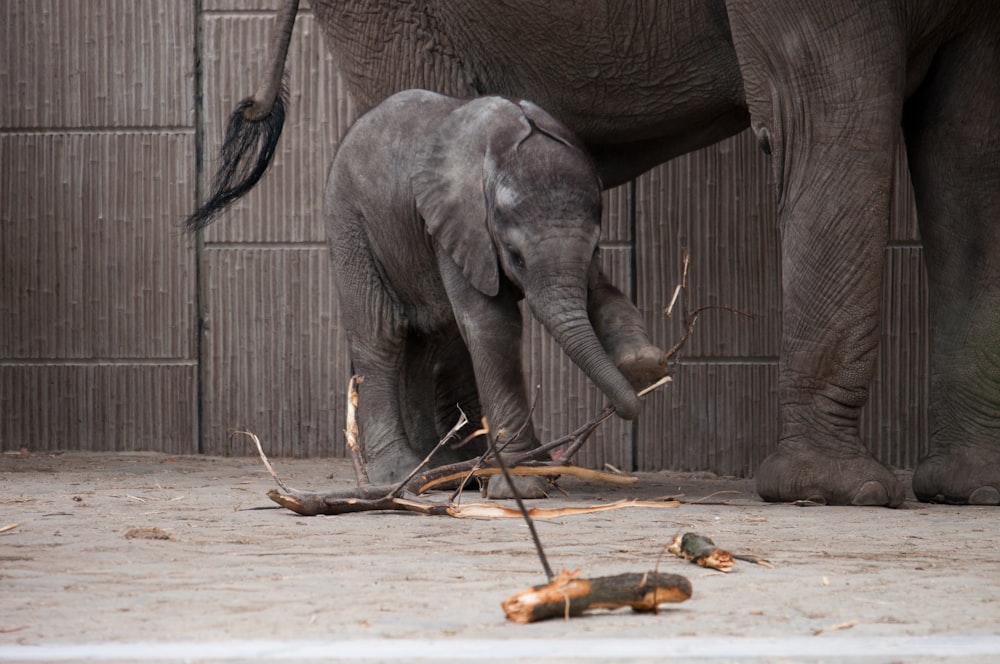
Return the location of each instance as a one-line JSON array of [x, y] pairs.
[[702, 551], [569, 595]]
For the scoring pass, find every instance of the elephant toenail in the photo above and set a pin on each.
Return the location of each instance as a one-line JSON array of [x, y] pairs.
[[985, 495], [871, 494]]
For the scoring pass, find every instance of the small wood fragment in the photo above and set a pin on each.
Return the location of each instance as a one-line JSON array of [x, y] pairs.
[[568, 595], [148, 533], [835, 628], [702, 551], [12, 526]]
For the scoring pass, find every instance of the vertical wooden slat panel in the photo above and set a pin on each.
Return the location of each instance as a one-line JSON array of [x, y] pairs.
[[98, 407], [616, 222], [97, 323], [100, 63], [95, 265], [286, 206], [718, 204], [714, 416], [894, 423], [247, 5], [275, 360]]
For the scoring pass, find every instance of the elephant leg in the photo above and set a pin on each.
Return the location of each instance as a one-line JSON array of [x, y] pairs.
[[953, 138], [377, 338], [418, 381], [384, 440], [620, 328], [491, 328], [454, 388], [825, 99]]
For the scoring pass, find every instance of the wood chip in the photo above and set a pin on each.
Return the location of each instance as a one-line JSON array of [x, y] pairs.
[[148, 533]]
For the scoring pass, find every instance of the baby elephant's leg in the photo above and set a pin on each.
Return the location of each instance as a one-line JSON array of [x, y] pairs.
[[385, 445]]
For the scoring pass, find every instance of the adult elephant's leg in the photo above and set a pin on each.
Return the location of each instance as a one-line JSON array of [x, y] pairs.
[[953, 137], [619, 325], [825, 96]]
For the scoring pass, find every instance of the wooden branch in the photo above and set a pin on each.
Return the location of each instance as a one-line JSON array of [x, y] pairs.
[[701, 550], [547, 470], [367, 498], [569, 595], [351, 430], [380, 499], [263, 457]]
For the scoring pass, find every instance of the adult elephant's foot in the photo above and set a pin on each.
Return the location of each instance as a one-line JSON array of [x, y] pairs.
[[793, 474], [960, 475], [642, 365]]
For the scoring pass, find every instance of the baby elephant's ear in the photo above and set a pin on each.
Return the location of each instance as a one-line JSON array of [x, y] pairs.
[[448, 184], [548, 125]]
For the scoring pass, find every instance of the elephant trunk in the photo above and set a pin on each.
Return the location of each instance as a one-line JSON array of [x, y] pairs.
[[563, 312]]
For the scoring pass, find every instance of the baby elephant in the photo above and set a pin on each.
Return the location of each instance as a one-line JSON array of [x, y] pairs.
[[442, 215]]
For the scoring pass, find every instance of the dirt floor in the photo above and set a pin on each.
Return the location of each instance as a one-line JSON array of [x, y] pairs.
[[240, 578]]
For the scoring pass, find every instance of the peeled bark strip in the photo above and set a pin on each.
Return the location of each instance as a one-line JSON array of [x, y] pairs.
[[496, 511], [538, 471], [569, 595], [702, 551]]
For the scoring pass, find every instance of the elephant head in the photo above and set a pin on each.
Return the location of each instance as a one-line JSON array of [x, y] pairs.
[[509, 193]]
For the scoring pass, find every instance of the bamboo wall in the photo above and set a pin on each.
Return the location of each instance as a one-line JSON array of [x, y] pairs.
[[113, 114]]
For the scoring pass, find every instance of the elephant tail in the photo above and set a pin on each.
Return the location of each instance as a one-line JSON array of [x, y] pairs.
[[253, 130]]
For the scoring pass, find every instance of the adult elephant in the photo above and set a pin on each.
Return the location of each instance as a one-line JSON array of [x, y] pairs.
[[826, 88]]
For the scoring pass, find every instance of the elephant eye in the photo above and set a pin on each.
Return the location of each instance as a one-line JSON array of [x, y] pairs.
[[516, 259]]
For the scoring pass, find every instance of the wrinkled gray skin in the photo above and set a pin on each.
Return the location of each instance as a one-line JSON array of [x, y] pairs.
[[442, 213], [829, 88]]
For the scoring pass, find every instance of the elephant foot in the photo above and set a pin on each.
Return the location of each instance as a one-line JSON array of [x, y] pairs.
[[643, 366], [806, 474], [393, 469], [527, 487], [959, 476]]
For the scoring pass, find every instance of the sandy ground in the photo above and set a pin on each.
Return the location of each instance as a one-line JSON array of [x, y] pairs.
[[848, 583]]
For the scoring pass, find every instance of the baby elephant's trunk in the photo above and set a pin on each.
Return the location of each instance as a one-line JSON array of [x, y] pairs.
[[563, 312]]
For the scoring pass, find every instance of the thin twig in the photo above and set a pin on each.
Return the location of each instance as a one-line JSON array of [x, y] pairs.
[[457, 494], [12, 526], [711, 495], [263, 457], [462, 421], [524, 510]]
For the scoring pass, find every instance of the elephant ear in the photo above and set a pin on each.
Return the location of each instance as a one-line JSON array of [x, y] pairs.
[[449, 183], [548, 125]]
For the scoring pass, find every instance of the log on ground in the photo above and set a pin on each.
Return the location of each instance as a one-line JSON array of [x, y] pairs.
[[569, 595]]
